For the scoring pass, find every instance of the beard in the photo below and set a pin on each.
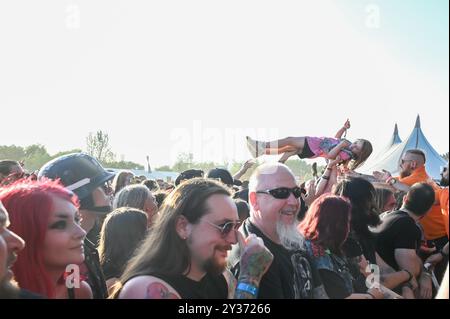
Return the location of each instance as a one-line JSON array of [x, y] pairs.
[[213, 266], [289, 235], [9, 290], [444, 181], [405, 173]]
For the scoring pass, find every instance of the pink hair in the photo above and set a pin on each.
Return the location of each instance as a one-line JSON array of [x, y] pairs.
[[29, 204]]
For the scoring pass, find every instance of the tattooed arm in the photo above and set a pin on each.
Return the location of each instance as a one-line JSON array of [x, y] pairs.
[[148, 287], [254, 262]]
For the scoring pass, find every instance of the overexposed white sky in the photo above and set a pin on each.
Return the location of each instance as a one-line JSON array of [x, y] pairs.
[[162, 77]]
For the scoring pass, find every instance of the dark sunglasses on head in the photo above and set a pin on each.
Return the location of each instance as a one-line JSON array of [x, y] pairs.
[[283, 192], [227, 227]]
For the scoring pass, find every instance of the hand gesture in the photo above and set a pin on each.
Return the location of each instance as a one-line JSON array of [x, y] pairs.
[[248, 164], [255, 258], [382, 176], [347, 124]]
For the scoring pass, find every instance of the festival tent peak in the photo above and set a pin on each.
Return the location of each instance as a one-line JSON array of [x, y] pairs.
[[393, 141], [389, 159]]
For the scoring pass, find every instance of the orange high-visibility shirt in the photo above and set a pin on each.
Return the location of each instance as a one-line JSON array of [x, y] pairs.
[[444, 207], [433, 224]]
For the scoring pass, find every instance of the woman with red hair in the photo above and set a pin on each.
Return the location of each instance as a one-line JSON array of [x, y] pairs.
[[325, 229], [45, 215]]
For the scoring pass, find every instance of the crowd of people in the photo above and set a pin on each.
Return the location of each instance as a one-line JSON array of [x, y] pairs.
[[75, 230]]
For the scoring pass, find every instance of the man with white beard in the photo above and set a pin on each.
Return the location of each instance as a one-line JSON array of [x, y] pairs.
[[274, 200]]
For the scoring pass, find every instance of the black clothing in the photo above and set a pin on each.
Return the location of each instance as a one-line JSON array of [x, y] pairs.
[[210, 287], [290, 276], [95, 277], [398, 230]]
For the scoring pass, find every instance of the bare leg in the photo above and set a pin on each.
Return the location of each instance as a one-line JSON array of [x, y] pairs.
[[286, 155], [282, 150], [289, 144]]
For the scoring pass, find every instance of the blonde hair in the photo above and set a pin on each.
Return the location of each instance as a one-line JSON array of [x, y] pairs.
[[132, 196]]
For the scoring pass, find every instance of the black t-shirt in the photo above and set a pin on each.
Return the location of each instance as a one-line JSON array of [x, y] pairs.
[[290, 276], [210, 287], [398, 230], [357, 244], [334, 284]]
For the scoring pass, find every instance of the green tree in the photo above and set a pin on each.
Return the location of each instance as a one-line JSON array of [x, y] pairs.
[[184, 161], [12, 152], [97, 145], [165, 168], [36, 155]]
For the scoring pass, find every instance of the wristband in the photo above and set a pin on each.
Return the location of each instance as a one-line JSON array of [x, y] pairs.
[[409, 273], [247, 288]]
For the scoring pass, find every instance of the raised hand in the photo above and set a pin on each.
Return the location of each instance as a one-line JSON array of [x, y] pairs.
[[334, 162], [255, 259], [347, 124], [248, 164], [382, 176]]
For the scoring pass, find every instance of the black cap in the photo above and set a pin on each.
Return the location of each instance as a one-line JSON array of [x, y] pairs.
[[188, 174], [224, 175]]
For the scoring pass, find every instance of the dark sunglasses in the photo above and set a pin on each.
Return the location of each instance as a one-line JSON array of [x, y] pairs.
[[227, 227], [283, 192]]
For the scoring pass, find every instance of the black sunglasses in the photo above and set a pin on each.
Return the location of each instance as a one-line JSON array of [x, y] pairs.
[[227, 227], [283, 192]]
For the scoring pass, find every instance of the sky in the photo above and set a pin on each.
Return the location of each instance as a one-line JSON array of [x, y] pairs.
[[164, 77]]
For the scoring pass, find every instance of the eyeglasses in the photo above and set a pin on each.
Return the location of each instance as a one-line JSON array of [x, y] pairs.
[[227, 227], [283, 192]]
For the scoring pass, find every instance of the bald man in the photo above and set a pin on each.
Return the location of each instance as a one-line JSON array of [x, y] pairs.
[[434, 225], [413, 171], [274, 200]]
